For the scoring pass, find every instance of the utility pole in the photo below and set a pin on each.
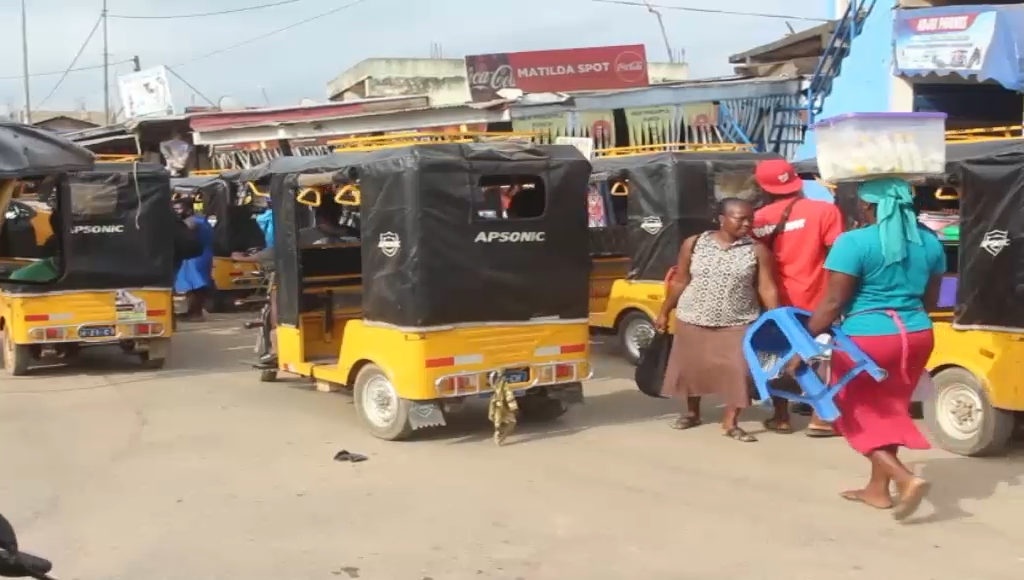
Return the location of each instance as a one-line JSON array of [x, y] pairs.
[[24, 64], [106, 66]]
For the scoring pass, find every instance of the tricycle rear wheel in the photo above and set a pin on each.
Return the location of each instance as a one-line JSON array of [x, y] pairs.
[[961, 417], [384, 414], [17, 357]]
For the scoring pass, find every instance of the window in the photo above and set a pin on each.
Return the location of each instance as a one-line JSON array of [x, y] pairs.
[[93, 199], [509, 197]]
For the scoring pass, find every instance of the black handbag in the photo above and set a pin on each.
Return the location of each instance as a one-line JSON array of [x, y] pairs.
[[650, 370]]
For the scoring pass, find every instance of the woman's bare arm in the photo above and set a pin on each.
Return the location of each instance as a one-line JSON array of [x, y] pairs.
[[767, 290], [681, 279], [838, 293]]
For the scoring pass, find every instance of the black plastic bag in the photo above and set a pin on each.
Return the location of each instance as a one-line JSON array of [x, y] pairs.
[[650, 370]]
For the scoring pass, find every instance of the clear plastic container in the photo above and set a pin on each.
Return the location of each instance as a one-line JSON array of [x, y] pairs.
[[858, 146]]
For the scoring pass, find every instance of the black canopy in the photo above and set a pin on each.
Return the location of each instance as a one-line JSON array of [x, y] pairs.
[[27, 151], [431, 256], [674, 195], [117, 227]]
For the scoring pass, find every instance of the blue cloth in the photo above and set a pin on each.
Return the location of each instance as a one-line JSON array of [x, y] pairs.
[[196, 273], [266, 222], [894, 213], [898, 286]]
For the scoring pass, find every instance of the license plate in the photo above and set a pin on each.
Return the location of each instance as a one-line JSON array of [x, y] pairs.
[[517, 376], [97, 332]]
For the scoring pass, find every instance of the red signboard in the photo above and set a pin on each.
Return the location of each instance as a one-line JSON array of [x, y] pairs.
[[943, 24], [557, 71]]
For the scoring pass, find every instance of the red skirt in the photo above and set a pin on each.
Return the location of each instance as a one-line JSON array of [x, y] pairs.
[[877, 414]]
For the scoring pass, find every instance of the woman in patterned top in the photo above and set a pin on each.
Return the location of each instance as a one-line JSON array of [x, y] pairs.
[[722, 281]]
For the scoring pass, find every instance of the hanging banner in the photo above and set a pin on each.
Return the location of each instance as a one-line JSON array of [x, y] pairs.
[[700, 121], [652, 125], [599, 126], [962, 40], [547, 128]]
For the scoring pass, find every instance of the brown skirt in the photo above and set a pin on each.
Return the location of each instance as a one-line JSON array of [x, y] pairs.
[[708, 361]]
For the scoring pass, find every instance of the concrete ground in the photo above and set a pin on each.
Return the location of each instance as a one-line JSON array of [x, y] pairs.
[[201, 472]]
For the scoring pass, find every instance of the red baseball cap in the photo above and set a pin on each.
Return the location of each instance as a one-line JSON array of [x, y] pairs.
[[777, 177]]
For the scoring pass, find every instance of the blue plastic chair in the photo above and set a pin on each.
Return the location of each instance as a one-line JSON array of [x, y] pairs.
[[782, 334]]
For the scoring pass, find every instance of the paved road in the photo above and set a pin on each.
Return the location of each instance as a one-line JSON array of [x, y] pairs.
[[201, 472]]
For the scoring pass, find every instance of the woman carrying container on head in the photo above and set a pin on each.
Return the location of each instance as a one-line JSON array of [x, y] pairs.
[[881, 278], [722, 280]]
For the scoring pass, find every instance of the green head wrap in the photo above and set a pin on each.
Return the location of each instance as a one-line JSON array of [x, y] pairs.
[[897, 224]]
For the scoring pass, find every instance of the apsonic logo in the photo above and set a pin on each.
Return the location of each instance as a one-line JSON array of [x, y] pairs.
[[651, 225], [389, 244], [509, 237], [995, 242], [117, 229]]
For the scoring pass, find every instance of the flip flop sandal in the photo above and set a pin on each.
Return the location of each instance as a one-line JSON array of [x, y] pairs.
[[740, 435], [821, 432], [776, 426], [684, 423], [908, 504], [856, 498]]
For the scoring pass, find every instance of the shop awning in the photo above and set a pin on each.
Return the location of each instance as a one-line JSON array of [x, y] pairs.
[[984, 40]]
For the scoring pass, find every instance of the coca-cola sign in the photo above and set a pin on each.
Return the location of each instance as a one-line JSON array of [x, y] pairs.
[[495, 80], [581, 69]]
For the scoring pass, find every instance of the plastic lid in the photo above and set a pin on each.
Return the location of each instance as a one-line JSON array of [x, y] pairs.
[[880, 115]]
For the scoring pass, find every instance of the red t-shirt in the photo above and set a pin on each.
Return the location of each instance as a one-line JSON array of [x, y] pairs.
[[800, 249]]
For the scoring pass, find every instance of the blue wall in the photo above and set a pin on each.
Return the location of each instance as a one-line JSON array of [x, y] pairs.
[[865, 80]]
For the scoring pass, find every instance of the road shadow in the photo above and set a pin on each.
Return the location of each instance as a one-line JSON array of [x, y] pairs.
[[215, 346], [956, 480], [620, 407], [471, 425]]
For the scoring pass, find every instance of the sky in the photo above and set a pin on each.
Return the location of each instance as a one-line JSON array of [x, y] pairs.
[[287, 67]]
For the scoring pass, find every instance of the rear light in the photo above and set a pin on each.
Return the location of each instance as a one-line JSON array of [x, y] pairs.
[[565, 372], [37, 317], [155, 313], [147, 329], [234, 274], [48, 334], [462, 385], [573, 348]]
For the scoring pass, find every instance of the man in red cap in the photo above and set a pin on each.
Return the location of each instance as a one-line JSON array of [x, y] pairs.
[[799, 232]]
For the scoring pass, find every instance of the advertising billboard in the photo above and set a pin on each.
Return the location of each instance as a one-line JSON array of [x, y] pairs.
[[557, 71], [146, 93]]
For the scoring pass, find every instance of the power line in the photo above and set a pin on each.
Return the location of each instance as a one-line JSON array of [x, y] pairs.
[[712, 10], [203, 14], [271, 33], [255, 38], [189, 85], [58, 73], [78, 55]]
